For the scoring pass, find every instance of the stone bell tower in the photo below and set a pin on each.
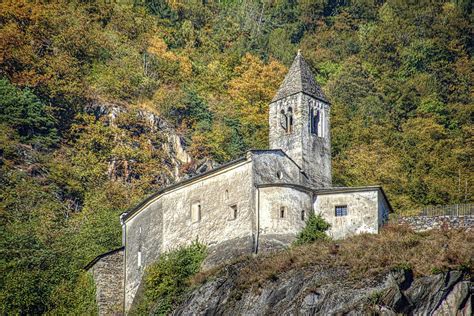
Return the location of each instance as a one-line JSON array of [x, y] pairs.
[[299, 124]]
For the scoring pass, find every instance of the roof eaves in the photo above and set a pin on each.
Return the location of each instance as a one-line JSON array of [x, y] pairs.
[[308, 94], [128, 213]]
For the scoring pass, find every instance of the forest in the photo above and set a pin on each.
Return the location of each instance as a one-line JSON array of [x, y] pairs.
[[399, 76]]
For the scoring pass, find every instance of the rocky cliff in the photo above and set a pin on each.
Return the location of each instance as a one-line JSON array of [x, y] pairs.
[[395, 272], [176, 162], [313, 291]]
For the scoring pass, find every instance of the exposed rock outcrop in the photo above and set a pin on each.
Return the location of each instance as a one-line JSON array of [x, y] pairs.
[[316, 291], [177, 160]]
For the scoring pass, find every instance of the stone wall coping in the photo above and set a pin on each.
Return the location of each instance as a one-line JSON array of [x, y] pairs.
[[88, 266]]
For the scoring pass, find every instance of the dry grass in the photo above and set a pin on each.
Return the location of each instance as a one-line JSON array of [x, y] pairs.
[[364, 255]]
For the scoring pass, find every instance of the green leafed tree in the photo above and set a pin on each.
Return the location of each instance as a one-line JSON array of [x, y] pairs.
[[314, 230], [24, 112]]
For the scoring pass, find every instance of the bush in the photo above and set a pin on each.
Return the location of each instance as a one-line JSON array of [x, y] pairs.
[[168, 279], [315, 229], [24, 112]]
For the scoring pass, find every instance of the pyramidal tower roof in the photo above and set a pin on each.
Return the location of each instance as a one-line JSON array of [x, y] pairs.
[[299, 79]]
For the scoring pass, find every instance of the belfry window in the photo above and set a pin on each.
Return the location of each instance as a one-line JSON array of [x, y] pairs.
[[286, 120], [290, 120], [316, 122], [320, 123], [283, 120]]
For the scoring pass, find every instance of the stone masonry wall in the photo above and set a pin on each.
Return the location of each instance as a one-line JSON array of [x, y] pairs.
[[167, 222], [108, 278], [310, 151], [422, 223], [362, 212], [277, 230]]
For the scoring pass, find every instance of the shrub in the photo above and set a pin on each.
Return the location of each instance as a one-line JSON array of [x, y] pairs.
[[167, 279], [315, 229], [24, 112]]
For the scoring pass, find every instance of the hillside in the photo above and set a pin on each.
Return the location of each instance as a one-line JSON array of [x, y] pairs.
[[103, 103], [395, 272]]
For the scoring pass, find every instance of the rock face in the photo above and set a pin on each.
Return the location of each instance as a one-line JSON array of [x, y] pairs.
[[332, 292]]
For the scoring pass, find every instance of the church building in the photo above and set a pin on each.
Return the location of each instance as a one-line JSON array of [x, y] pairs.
[[256, 203]]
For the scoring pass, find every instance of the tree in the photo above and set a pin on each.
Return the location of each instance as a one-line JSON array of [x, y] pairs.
[[27, 115], [315, 229]]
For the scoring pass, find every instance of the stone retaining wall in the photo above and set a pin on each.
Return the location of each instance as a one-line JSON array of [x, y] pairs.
[[422, 223], [107, 271]]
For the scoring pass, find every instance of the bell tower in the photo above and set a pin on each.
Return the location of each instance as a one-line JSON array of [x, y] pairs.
[[300, 125]]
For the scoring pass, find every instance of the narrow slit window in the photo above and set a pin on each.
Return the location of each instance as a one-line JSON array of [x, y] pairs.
[[282, 212], [233, 212], [303, 215], [139, 256], [341, 210], [196, 212]]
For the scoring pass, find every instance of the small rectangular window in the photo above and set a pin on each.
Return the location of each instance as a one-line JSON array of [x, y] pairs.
[[341, 210], [233, 212], [196, 212], [303, 215], [282, 212]]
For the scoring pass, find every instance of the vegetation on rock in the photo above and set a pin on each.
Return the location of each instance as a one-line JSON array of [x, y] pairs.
[[315, 229], [366, 255], [166, 280], [78, 144]]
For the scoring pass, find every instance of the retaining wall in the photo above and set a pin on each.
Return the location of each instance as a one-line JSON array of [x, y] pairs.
[[422, 223]]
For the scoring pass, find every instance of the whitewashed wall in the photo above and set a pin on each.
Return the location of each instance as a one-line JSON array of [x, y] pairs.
[[362, 212]]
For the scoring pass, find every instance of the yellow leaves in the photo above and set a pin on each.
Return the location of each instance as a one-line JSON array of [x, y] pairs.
[[176, 4], [256, 81], [167, 98], [423, 131], [251, 91], [158, 48]]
